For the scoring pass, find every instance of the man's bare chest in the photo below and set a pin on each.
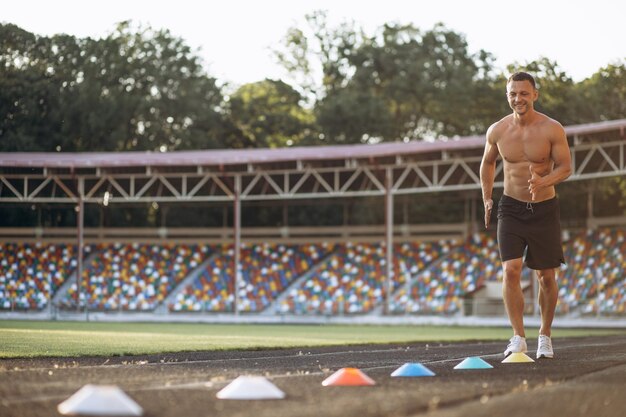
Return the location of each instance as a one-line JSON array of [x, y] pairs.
[[524, 148]]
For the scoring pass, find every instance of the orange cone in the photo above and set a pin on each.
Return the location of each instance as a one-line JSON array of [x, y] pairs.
[[348, 377]]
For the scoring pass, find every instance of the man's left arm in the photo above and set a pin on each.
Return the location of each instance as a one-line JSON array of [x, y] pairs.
[[561, 156]]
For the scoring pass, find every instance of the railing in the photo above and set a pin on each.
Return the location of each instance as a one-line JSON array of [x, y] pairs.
[[375, 233]]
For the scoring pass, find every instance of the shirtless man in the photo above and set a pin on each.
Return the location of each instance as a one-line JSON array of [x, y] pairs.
[[536, 157]]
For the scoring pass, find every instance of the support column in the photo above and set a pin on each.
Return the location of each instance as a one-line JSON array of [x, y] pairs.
[[237, 224], [473, 214], [590, 222], [80, 218], [388, 237], [50, 295]]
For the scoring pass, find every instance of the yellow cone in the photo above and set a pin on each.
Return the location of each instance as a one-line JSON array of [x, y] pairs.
[[517, 357]]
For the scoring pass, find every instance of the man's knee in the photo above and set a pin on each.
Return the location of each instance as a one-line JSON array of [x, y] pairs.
[[547, 278], [512, 270]]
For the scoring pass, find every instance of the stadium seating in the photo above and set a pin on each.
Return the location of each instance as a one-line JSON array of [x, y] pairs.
[[352, 280], [266, 270], [213, 289], [346, 278], [441, 287], [134, 277], [30, 273], [595, 261], [611, 301]]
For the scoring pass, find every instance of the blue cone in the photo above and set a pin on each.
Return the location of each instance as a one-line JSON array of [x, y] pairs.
[[412, 369], [473, 362]]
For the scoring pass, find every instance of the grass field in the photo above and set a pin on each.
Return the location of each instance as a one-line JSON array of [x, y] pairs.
[[29, 339]]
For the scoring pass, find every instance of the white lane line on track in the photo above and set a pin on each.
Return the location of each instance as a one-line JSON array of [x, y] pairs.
[[268, 357], [214, 384]]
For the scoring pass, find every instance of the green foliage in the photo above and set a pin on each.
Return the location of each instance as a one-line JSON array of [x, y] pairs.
[[144, 89], [399, 84], [603, 95], [353, 115], [269, 115], [321, 52], [133, 90], [28, 92]]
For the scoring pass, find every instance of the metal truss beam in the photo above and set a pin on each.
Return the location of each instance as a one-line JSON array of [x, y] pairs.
[[352, 178]]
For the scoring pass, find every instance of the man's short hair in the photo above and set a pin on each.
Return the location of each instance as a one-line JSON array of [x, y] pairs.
[[522, 76]]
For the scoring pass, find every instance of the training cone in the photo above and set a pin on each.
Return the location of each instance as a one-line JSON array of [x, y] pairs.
[[348, 377], [412, 370], [251, 388], [517, 357], [473, 362], [100, 400]]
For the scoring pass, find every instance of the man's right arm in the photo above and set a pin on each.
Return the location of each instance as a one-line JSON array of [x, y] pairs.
[[488, 172]]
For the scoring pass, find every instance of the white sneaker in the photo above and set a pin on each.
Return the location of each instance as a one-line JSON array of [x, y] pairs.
[[516, 344], [544, 347]]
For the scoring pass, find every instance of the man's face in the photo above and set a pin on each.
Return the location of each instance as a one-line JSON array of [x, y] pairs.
[[521, 96]]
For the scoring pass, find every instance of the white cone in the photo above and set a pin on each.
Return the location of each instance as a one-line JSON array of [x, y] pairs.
[[100, 400], [251, 388]]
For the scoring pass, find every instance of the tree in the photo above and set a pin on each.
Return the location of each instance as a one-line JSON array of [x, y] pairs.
[[352, 115], [269, 113], [29, 91], [428, 82], [398, 84], [604, 94], [146, 90], [136, 89], [318, 58]]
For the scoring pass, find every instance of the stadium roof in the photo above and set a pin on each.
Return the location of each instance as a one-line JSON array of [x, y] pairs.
[[222, 157], [228, 156]]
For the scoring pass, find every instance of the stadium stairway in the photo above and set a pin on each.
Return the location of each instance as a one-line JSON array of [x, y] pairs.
[[274, 307], [61, 294], [378, 310], [163, 308]]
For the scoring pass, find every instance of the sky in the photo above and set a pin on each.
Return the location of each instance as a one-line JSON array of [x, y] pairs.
[[235, 37]]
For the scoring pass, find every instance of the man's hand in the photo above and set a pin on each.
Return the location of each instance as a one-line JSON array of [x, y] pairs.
[[488, 206], [533, 183]]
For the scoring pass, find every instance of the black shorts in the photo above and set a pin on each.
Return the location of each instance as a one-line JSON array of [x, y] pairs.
[[531, 227]]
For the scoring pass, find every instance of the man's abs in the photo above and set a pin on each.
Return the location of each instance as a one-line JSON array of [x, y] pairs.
[[516, 178]]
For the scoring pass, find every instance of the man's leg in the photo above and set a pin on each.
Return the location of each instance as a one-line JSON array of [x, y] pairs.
[[548, 295], [513, 296]]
